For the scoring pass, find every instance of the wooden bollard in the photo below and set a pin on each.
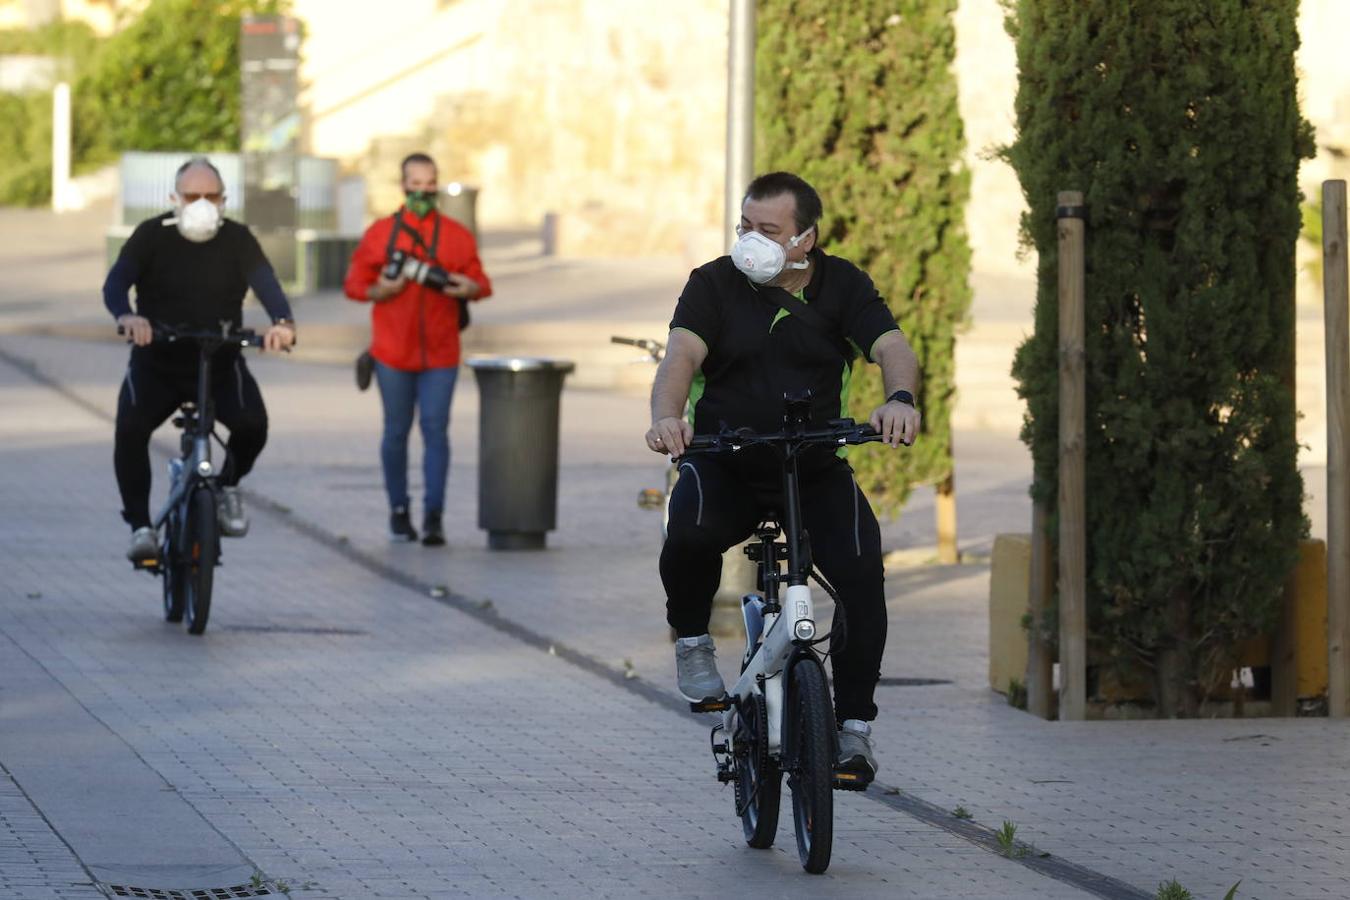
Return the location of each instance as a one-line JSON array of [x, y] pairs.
[[1072, 454]]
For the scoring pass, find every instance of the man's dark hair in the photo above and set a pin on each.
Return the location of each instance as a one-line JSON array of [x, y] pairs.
[[772, 184], [193, 163], [413, 158]]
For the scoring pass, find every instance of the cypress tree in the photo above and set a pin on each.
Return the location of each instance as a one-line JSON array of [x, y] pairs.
[[860, 99], [1179, 121]]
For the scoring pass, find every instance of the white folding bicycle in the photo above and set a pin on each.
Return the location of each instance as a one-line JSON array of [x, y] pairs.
[[778, 717]]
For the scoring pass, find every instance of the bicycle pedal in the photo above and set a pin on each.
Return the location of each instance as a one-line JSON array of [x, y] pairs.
[[850, 781], [146, 565], [707, 705]]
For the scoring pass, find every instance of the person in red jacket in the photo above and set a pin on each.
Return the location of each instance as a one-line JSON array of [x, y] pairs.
[[415, 324]]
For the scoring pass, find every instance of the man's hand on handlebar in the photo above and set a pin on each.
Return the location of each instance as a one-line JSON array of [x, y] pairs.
[[896, 422], [670, 435], [138, 329], [279, 337]]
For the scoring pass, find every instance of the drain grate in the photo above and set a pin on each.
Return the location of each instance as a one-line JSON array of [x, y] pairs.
[[911, 682], [228, 893]]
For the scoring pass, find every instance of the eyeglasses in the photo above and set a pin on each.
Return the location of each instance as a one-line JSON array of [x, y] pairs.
[[213, 196]]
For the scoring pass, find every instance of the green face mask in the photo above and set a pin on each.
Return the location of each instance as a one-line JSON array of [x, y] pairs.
[[420, 203]]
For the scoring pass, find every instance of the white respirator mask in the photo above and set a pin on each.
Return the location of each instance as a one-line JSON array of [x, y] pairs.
[[761, 259], [199, 220]]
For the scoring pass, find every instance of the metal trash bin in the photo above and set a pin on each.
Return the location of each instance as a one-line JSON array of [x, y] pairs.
[[518, 400]]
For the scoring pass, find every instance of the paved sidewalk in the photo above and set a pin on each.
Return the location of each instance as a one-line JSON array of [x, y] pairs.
[[340, 728], [351, 737]]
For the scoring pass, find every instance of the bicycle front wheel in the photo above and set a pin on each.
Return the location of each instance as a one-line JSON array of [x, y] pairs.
[[810, 757], [203, 548]]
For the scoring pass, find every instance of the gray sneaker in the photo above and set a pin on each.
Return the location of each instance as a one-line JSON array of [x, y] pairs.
[[144, 545], [230, 513], [856, 766], [696, 673]]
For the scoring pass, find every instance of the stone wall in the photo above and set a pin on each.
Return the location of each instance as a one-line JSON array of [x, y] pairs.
[[603, 112]]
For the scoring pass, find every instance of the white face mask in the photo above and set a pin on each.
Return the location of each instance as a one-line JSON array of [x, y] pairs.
[[199, 220], [761, 259]]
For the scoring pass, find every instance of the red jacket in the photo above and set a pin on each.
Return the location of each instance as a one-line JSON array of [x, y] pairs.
[[417, 328]]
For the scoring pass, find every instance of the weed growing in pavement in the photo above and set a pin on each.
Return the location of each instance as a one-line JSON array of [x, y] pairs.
[[1232, 891], [1017, 694], [1007, 841], [961, 812], [1174, 891]]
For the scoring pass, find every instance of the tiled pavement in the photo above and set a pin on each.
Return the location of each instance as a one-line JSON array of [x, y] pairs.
[[354, 737]]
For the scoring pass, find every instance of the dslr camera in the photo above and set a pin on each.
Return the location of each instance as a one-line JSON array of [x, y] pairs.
[[420, 271]]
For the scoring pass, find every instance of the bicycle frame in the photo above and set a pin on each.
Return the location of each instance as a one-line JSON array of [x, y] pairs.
[[788, 627], [197, 464], [198, 423]]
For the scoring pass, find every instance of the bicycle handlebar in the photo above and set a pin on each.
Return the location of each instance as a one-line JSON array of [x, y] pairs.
[[655, 349], [167, 334], [840, 432]]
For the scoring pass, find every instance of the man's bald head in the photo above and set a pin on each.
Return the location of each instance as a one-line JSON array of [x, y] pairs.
[[198, 176]]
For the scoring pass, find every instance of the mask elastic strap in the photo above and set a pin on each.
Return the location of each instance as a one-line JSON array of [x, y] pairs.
[[793, 242]]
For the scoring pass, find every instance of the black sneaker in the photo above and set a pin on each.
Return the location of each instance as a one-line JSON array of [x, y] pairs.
[[433, 535], [400, 525], [365, 368]]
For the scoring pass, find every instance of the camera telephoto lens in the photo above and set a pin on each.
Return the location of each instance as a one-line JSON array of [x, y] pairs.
[[415, 269], [436, 278]]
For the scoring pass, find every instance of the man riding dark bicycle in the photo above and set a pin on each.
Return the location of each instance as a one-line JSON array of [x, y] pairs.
[[776, 317], [190, 267]]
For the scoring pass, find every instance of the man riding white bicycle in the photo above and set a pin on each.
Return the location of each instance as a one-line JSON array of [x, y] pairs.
[[190, 267], [775, 317]]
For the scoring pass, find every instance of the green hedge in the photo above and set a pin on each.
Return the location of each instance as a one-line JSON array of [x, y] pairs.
[[1179, 122], [25, 148], [169, 80], [860, 99]]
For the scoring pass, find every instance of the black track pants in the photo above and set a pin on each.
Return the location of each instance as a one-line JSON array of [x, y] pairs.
[[152, 390], [717, 503]]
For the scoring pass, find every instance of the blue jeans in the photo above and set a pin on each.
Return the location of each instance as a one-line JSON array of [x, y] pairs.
[[430, 392]]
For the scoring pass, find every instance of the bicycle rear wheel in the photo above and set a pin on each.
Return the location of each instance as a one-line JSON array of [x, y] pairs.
[[202, 550], [810, 755], [759, 781]]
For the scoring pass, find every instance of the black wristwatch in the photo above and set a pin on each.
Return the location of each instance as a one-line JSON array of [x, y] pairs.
[[904, 397]]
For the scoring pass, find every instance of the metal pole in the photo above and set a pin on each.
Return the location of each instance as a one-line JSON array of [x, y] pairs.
[[1072, 462], [1336, 295], [60, 147], [740, 110]]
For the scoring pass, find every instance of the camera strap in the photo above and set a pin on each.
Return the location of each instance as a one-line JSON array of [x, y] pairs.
[[464, 315], [399, 224]]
